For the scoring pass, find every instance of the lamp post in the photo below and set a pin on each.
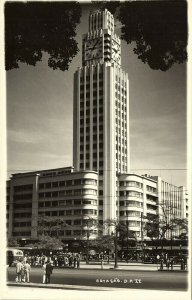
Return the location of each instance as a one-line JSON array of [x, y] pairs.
[[115, 243], [127, 259], [115, 266], [137, 235], [87, 256]]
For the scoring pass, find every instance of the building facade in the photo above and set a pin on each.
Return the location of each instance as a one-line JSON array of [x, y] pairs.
[[62, 193], [73, 196]]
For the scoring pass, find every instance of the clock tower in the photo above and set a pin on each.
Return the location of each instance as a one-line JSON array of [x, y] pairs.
[[101, 111], [101, 44]]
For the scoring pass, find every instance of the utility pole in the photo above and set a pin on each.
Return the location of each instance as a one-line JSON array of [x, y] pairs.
[[127, 241], [115, 239], [142, 232], [87, 256]]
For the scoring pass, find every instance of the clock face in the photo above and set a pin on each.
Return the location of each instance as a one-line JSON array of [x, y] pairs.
[[115, 51], [93, 49]]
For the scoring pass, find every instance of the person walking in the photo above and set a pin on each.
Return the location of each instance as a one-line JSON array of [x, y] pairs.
[[44, 272], [75, 262], [78, 260], [19, 270], [49, 270], [27, 270]]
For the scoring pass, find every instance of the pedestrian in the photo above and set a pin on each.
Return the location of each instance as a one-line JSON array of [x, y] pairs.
[[44, 272], [168, 263], [19, 270], [70, 261], [75, 261], [49, 270], [102, 261], [78, 260], [27, 270], [161, 263]]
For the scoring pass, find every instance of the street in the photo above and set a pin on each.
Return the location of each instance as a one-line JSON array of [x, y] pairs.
[[175, 281]]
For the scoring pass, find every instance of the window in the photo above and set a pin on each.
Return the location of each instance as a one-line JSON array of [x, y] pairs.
[[68, 232], [77, 202], [54, 194], [68, 222], [77, 212], [68, 202], [77, 232], [54, 213], [77, 222], [61, 213]]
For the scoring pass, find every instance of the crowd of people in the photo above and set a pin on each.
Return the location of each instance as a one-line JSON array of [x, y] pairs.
[[47, 263], [57, 260]]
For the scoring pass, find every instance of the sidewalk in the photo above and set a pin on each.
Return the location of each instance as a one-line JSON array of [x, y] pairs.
[[61, 286], [131, 266]]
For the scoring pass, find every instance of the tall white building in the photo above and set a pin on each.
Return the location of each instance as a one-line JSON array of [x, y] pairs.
[[101, 110]]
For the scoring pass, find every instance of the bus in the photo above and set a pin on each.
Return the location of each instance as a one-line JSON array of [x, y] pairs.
[[13, 256]]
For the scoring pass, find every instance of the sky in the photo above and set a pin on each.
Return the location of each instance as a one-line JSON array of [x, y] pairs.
[[40, 115]]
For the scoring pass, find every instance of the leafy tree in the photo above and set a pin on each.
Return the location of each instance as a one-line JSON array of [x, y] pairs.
[[157, 229], [158, 28], [51, 226], [49, 243], [48, 229], [32, 28], [105, 243], [12, 242], [181, 225]]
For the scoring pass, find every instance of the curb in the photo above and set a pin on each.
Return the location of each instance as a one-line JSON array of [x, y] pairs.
[[61, 286]]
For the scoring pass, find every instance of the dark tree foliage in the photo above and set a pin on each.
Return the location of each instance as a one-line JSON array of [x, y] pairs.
[[159, 29], [32, 28]]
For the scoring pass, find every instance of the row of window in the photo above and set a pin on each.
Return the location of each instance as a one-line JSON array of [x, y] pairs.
[[118, 79], [22, 215], [66, 203], [127, 213], [21, 224], [151, 189], [94, 137], [151, 207], [22, 205], [120, 122], [23, 233], [131, 203], [131, 183], [74, 182], [118, 129], [88, 78], [94, 155], [22, 188], [22, 197], [94, 120], [94, 146], [130, 194], [62, 193], [87, 111], [75, 212], [152, 198]]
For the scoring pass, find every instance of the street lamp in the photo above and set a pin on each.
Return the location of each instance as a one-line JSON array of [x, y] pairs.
[[87, 222], [115, 242], [87, 256], [137, 235]]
